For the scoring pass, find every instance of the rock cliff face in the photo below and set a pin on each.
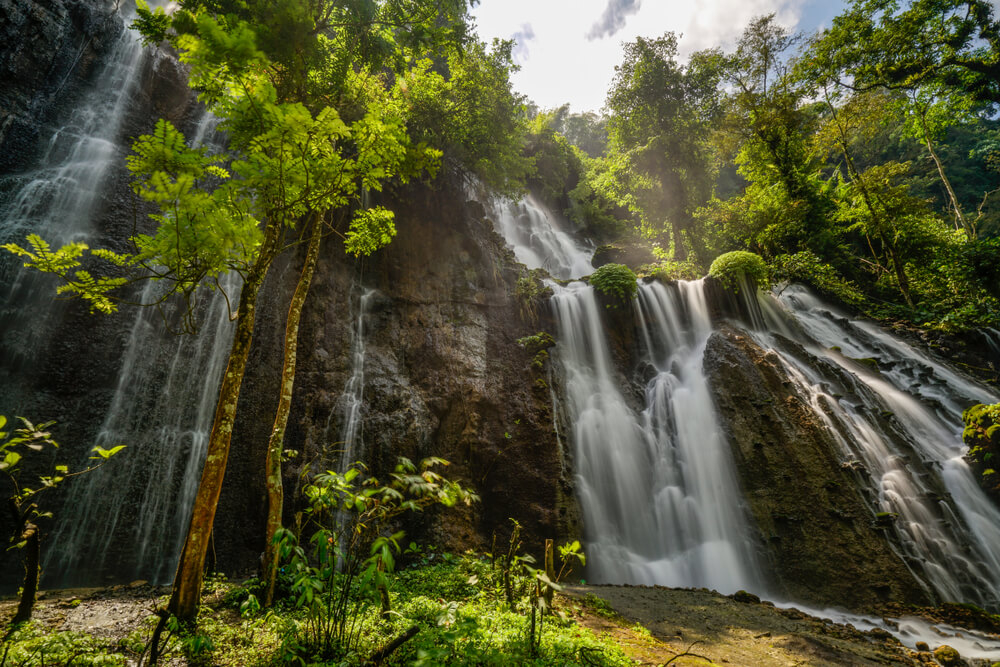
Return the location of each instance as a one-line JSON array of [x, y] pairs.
[[444, 376], [820, 539], [54, 59], [50, 49]]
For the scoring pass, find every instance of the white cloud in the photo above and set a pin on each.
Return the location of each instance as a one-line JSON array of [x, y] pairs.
[[564, 66], [613, 19]]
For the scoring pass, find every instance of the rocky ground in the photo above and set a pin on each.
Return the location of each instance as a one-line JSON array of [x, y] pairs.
[[653, 625], [700, 627]]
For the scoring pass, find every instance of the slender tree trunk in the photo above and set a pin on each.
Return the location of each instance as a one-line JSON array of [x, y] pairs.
[[275, 446], [680, 251], [904, 283], [186, 593], [960, 221], [897, 264], [32, 568]]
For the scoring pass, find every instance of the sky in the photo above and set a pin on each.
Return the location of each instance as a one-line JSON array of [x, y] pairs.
[[568, 49]]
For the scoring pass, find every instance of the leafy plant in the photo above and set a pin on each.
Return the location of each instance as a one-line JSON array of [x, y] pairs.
[[807, 267], [345, 572], [615, 280], [28, 441], [736, 268]]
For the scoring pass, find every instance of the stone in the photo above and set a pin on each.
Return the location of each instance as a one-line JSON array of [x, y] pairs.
[[947, 656]]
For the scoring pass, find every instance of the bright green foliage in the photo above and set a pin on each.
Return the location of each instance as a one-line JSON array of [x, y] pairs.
[[370, 229], [471, 113], [31, 440], [660, 112], [458, 602], [739, 267], [946, 43], [351, 558], [806, 267], [669, 270], [982, 436], [66, 264], [615, 280], [29, 642]]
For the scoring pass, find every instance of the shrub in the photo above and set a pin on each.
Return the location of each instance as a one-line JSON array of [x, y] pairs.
[[669, 270], [732, 268], [615, 280], [807, 267]]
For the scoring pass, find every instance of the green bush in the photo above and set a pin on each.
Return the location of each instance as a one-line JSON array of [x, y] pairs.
[[806, 267], [732, 268], [669, 270], [616, 280]]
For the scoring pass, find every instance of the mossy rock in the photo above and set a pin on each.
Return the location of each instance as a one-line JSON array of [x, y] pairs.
[[732, 269], [615, 280], [870, 362], [948, 656]]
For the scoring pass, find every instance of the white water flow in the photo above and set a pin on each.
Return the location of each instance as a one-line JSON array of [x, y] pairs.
[[57, 198], [349, 407], [657, 488], [539, 242], [902, 424], [129, 519]]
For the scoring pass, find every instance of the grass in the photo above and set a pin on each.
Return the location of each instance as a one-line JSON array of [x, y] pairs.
[[458, 604]]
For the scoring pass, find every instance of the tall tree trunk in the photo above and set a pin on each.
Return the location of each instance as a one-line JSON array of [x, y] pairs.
[[897, 264], [186, 593], [32, 567], [275, 446], [904, 283], [960, 221], [680, 250]]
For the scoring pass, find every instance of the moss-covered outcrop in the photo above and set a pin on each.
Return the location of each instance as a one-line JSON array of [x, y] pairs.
[[982, 435], [818, 535]]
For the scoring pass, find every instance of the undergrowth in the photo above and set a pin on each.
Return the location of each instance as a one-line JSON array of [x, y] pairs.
[[458, 604]]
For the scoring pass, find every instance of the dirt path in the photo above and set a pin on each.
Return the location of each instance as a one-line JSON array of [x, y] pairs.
[[724, 631]]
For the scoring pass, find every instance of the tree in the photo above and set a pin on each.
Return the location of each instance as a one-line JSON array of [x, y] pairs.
[[464, 105], [944, 55], [937, 44], [297, 157], [29, 441], [771, 126], [659, 118]]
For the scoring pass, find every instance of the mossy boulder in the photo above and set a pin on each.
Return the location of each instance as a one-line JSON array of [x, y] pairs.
[[948, 656], [616, 281], [982, 435], [734, 269]]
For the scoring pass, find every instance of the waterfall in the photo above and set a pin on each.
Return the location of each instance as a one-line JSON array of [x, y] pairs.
[[945, 525], [657, 489], [348, 408], [163, 409], [57, 199], [538, 240]]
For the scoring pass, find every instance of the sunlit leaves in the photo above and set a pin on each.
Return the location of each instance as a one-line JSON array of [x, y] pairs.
[[370, 230], [66, 264]]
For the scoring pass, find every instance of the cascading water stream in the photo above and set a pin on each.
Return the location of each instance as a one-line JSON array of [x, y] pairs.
[[348, 411], [538, 241], [657, 489], [162, 410], [951, 540], [57, 199]]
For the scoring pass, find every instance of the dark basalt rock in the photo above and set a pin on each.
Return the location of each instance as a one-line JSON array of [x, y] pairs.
[[50, 51], [444, 376], [819, 541]]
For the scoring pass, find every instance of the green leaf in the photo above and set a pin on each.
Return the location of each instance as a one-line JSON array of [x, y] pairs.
[[105, 454], [10, 460]]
